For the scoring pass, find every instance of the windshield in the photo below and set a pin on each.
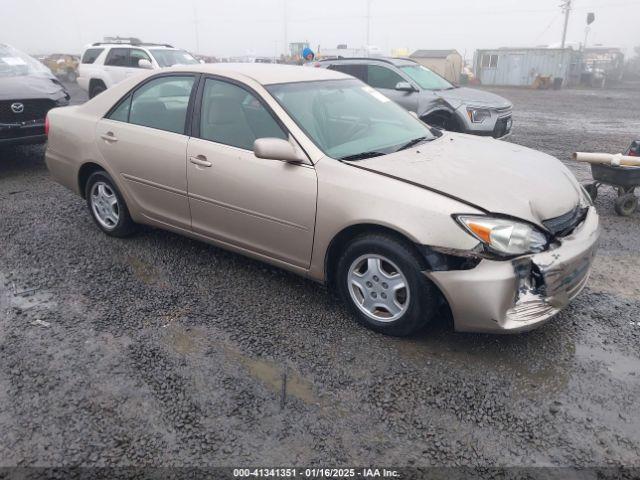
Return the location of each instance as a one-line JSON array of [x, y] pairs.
[[169, 58], [426, 78], [14, 63], [346, 118]]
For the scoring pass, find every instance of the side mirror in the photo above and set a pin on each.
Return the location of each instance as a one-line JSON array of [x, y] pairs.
[[277, 149], [404, 87], [144, 63]]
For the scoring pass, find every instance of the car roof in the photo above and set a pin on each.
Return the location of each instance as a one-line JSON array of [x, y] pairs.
[[390, 60], [266, 73]]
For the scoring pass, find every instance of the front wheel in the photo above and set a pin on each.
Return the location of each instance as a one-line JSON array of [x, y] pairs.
[[107, 206], [380, 278]]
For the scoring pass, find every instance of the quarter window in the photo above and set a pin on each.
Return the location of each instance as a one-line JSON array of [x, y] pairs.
[[355, 70], [91, 54], [233, 116], [382, 77], [118, 57], [161, 103]]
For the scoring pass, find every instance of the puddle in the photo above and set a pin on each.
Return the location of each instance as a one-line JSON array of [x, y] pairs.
[[24, 297], [145, 272], [193, 340], [273, 377], [620, 366]]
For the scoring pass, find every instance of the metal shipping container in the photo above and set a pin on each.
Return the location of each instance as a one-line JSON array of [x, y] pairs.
[[521, 66]]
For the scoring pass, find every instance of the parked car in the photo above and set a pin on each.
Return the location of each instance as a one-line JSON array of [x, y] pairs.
[[434, 99], [63, 66], [318, 173], [106, 64], [28, 91]]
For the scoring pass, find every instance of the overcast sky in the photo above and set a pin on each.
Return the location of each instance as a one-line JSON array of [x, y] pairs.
[[239, 27]]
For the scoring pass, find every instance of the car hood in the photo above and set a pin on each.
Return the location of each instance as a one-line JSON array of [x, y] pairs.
[[29, 86], [471, 96], [495, 176]]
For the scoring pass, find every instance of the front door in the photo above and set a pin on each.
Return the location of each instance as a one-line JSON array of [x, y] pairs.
[[385, 80], [263, 206], [143, 141]]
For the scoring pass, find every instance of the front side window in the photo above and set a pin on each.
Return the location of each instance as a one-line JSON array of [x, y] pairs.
[[233, 116], [347, 119], [161, 103], [91, 54], [136, 55], [382, 77], [118, 57], [425, 78], [169, 58]]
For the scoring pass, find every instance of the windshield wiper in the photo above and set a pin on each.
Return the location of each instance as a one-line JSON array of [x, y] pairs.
[[413, 143], [362, 156]]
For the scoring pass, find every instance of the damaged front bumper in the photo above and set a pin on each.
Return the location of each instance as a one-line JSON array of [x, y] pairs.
[[523, 293]]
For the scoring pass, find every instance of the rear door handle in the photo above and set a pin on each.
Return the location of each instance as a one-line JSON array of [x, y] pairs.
[[200, 160], [109, 137]]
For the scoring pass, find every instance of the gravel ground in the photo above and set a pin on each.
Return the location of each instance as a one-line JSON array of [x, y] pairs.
[[159, 350]]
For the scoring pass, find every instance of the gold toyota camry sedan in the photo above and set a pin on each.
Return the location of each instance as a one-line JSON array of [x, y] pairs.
[[315, 172]]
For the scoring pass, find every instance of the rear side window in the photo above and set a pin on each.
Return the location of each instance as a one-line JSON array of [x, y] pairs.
[[358, 71], [121, 114], [118, 57], [162, 103], [91, 54], [382, 77]]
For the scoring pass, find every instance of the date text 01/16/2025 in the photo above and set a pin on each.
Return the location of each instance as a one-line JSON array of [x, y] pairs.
[[315, 473]]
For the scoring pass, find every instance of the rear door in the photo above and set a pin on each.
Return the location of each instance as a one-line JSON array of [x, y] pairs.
[[117, 64], [263, 206], [144, 142]]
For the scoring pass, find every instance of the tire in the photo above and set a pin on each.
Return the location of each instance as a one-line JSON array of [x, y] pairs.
[[592, 190], [97, 89], [107, 206], [626, 204], [398, 263]]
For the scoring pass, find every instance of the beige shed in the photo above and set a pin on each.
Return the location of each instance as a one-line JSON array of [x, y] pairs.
[[447, 63]]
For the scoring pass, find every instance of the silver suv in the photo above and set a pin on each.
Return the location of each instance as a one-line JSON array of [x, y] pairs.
[[435, 100]]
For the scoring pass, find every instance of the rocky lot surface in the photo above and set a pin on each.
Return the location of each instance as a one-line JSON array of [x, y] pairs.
[[159, 350]]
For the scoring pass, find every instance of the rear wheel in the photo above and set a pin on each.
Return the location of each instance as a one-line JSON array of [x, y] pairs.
[[379, 277], [97, 89], [107, 206]]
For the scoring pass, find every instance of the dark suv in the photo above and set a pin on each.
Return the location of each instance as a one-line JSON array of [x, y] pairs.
[[28, 90], [435, 100]]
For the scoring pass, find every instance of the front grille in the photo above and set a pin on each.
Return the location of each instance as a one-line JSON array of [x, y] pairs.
[[33, 109], [565, 224]]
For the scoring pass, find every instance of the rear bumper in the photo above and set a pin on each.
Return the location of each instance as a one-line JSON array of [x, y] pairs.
[[524, 293], [83, 83]]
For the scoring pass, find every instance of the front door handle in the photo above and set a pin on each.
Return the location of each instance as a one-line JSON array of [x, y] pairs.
[[109, 137], [200, 160]]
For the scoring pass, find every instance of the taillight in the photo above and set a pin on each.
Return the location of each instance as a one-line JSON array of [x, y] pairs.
[[46, 125]]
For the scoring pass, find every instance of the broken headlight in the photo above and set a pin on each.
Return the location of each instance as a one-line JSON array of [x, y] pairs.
[[504, 236], [478, 115]]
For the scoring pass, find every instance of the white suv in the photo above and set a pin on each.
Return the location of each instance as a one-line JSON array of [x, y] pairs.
[[105, 64]]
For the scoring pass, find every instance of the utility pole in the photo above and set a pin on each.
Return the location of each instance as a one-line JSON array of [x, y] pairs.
[[368, 23], [566, 8], [195, 24], [285, 25]]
